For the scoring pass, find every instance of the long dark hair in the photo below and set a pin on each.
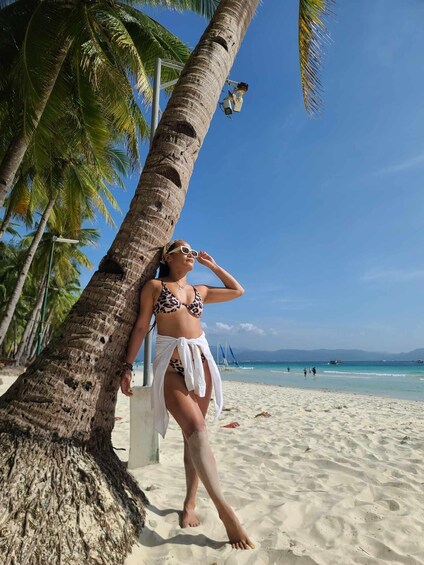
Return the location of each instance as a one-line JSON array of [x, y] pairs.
[[163, 266]]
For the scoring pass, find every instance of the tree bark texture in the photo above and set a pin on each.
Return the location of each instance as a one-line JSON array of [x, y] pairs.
[[16, 294], [45, 338], [67, 396], [31, 344], [63, 504], [5, 222]]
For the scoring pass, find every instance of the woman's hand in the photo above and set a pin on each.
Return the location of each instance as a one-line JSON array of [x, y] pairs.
[[206, 260], [125, 382]]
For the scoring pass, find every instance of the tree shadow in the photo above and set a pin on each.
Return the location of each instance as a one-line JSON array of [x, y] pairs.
[[150, 538], [163, 512]]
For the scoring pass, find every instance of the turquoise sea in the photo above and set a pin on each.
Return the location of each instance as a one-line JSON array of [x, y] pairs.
[[381, 378], [397, 380]]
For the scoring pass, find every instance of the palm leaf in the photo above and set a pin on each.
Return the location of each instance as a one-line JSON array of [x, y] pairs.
[[204, 8], [153, 40], [312, 32], [126, 54]]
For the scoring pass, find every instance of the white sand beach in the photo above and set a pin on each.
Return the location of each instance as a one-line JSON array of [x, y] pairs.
[[327, 478]]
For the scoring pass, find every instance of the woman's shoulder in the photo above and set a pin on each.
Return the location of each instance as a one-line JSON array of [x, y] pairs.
[[202, 289], [151, 290], [152, 285]]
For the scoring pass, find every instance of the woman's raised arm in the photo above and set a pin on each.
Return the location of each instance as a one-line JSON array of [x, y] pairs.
[[232, 288]]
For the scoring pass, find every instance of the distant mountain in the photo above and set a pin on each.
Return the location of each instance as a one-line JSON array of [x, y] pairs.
[[322, 355]]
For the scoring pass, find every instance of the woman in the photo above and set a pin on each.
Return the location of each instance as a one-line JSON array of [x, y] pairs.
[[184, 370]]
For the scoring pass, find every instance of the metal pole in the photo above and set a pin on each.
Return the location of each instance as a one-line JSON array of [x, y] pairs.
[[147, 370], [156, 97], [46, 292]]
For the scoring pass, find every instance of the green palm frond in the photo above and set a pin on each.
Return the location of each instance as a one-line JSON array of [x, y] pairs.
[[94, 124], [126, 54], [19, 199], [154, 40], [44, 40], [205, 8], [88, 237], [312, 32], [120, 163], [13, 230]]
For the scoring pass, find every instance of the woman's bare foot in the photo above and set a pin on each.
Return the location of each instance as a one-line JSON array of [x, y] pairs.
[[237, 536], [188, 518]]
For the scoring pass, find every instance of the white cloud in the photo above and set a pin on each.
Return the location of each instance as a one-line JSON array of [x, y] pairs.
[[220, 328], [224, 327], [251, 328], [393, 275]]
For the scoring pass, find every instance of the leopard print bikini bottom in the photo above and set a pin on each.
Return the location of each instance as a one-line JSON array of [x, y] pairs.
[[177, 365]]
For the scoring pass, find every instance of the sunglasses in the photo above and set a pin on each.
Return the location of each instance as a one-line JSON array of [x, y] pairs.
[[185, 251]]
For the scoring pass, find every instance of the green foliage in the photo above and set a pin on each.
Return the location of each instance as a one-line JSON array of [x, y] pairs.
[[64, 287], [312, 31]]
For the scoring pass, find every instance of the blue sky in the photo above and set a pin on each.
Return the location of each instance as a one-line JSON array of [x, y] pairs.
[[321, 220]]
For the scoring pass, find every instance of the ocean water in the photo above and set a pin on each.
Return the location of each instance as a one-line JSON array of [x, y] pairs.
[[403, 380], [396, 380]]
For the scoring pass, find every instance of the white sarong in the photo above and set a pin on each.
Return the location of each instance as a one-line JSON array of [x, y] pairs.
[[194, 375]]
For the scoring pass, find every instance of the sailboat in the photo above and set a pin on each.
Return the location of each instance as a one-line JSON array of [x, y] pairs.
[[233, 356], [236, 363], [225, 366]]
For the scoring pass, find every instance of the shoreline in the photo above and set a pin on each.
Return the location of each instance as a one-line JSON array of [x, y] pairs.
[[139, 379], [326, 390]]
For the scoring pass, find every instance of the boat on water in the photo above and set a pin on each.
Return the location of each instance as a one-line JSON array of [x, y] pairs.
[[222, 360], [335, 362]]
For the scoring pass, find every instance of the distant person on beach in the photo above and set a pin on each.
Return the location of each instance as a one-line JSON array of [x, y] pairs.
[[185, 371], [305, 372], [288, 369], [314, 371]]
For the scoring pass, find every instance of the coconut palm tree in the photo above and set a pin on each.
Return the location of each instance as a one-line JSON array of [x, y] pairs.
[[66, 267], [76, 188], [75, 378], [108, 46], [30, 322], [91, 142]]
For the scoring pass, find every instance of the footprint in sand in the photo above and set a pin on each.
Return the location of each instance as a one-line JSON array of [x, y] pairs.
[[393, 505]]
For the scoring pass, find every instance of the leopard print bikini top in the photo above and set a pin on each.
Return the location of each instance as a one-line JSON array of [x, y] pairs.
[[167, 303]]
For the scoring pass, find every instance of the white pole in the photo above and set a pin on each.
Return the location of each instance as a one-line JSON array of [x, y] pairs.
[[147, 369]]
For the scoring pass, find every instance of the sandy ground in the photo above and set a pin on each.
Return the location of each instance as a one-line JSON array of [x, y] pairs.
[[327, 478]]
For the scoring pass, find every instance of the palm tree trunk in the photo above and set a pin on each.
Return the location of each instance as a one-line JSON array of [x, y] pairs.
[[31, 349], [16, 294], [30, 324], [5, 222], [47, 330], [19, 144], [56, 419]]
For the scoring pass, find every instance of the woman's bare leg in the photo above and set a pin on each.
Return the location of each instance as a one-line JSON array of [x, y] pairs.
[[184, 407], [189, 516]]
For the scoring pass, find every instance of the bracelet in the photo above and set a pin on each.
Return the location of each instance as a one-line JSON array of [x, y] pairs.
[[128, 366]]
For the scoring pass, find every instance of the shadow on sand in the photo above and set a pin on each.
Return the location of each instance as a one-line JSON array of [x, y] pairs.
[[150, 538]]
